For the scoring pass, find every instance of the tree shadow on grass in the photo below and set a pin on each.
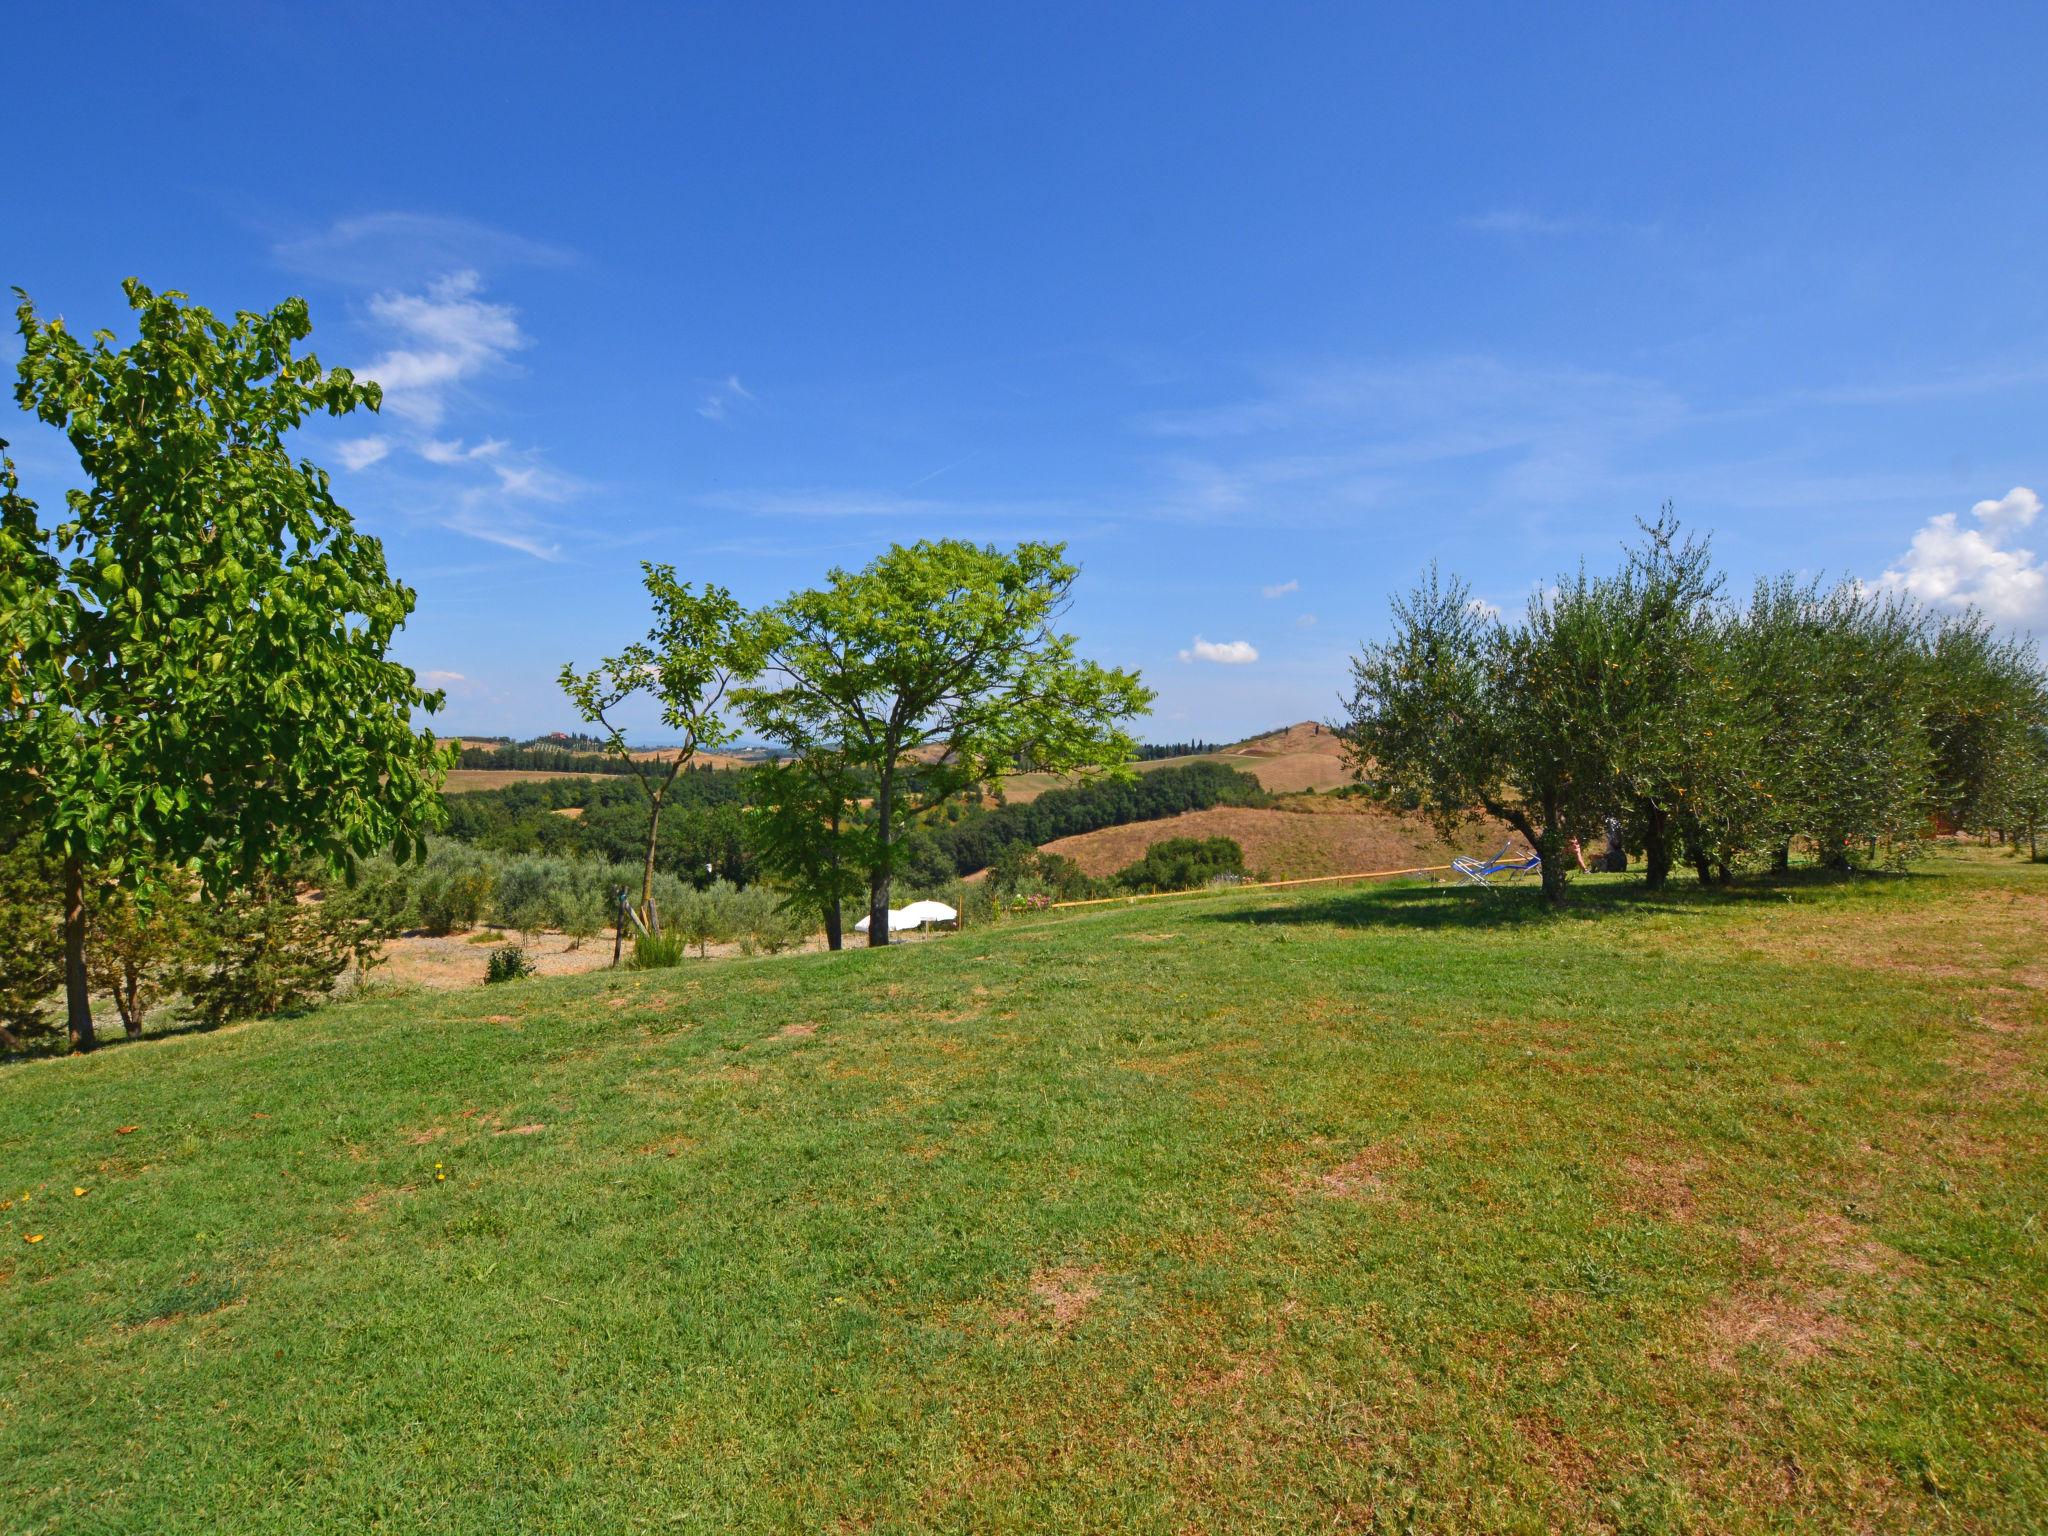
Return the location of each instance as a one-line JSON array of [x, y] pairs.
[[1502, 907]]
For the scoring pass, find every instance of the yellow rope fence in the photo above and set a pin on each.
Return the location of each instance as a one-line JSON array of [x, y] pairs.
[[1255, 885]]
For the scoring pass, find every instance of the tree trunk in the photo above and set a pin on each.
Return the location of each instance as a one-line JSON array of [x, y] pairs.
[[647, 872], [129, 1000], [835, 917], [77, 1000], [878, 884], [1552, 850], [1781, 859], [1551, 847], [1656, 847]]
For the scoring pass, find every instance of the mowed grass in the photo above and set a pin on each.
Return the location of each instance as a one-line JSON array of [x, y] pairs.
[[1396, 1210]]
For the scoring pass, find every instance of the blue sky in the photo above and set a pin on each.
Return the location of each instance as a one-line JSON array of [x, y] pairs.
[[1260, 307]]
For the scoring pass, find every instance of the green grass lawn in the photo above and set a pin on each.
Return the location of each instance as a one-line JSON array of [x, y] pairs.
[[1348, 1210]]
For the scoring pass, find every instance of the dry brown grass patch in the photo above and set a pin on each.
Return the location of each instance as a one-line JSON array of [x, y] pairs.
[[1065, 1294], [1666, 1189], [1548, 1448], [1793, 1328]]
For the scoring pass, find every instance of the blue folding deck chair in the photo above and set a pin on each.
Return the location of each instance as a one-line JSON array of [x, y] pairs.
[[1484, 871]]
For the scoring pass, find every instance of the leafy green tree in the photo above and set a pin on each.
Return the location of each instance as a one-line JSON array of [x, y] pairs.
[[135, 943], [699, 647], [1457, 713], [805, 826], [196, 655], [262, 948], [31, 940], [1986, 700], [1669, 719], [932, 670], [1869, 769]]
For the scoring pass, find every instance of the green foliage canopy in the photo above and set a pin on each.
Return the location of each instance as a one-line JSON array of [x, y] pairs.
[[196, 654]]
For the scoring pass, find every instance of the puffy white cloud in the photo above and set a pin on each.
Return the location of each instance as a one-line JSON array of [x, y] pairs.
[[447, 334], [1483, 608], [1280, 589], [361, 452], [1953, 564], [1228, 653], [2015, 510]]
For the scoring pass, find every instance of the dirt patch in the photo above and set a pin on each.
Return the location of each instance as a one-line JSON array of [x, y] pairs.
[[432, 1133], [532, 1128], [796, 1031]]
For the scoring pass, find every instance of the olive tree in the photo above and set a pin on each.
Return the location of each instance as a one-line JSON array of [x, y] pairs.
[[932, 670], [699, 647], [1457, 713], [197, 654], [1985, 701]]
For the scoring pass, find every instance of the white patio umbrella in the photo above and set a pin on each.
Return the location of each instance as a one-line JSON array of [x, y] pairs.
[[898, 922]]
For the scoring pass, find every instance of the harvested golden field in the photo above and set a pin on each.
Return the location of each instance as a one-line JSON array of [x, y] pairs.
[[1310, 838], [462, 781], [1301, 757]]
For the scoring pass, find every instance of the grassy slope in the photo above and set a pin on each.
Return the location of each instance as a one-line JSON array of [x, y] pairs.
[[1406, 1209]]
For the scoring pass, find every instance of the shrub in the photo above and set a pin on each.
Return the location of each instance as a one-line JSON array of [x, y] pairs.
[[453, 889], [262, 950], [658, 951], [508, 963], [31, 942], [1184, 864]]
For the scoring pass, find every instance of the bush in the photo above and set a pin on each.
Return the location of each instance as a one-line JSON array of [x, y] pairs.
[[262, 950], [508, 963], [1184, 864], [452, 890], [31, 942], [658, 951]]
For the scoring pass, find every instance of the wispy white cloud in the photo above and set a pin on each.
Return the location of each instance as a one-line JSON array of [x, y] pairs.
[[1955, 565], [724, 397], [1227, 653], [1305, 621], [361, 452], [1519, 221], [1280, 589], [439, 340], [1324, 446], [446, 335], [435, 451], [389, 249]]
